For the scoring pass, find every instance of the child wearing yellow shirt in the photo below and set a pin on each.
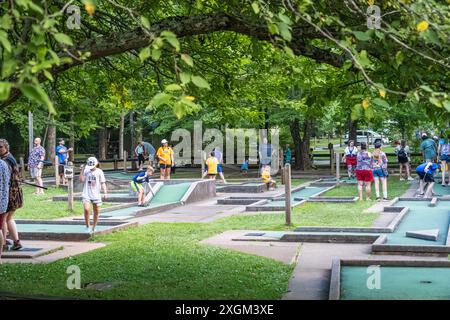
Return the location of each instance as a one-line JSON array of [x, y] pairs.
[[265, 176], [211, 164]]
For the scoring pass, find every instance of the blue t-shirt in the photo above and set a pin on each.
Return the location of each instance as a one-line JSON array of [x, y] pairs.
[[62, 156], [431, 170], [141, 174], [244, 166]]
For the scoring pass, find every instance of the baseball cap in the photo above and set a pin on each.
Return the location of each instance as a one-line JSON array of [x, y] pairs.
[[91, 163], [163, 141], [377, 145]]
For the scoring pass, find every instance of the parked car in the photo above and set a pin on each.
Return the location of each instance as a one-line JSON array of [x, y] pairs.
[[368, 136]]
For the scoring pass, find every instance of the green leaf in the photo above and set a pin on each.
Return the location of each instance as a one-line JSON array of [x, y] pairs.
[[144, 54], [426, 88], [200, 82], [356, 111], [289, 51], [447, 105], [5, 89], [255, 7], [145, 22], [273, 29], [438, 103], [363, 60], [63, 39], [284, 31], [168, 34], [179, 109], [361, 36], [5, 22], [156, 54], [284, 18], [173, 87], [9, 66], [37, 94], [4, 41], [161, 99], [381, 102], [48, 75], [185, 77], [187, 59], [35, 7], [174, 43]]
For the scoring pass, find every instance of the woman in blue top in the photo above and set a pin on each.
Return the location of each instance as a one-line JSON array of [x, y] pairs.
[[444, 156]]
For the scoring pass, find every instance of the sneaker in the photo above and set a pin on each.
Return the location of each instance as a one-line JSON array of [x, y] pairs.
[[401, 179], [410, 179], [420, 195], [385, 199], [87, 229], [378, 198], [444, 185], [16, 246], [9, 242], [92, 231]]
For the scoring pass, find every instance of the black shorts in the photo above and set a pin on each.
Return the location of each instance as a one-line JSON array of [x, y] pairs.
[[402, 160], [61, 169], [426, 177], [165, 166]]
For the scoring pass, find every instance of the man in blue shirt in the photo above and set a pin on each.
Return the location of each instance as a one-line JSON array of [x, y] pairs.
[[428, 147], [426, 175], [63, 153]]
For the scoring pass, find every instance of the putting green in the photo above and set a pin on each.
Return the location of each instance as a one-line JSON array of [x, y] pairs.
[[396, 283], [170, 193], [55, 228], [307, 192], [422, 217], [439, 189], [120, 175]]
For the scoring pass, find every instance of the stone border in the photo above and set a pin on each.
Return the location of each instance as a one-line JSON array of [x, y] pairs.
[[336, 266], [242, 188], [115, 226], [333, 199], [31, 255]]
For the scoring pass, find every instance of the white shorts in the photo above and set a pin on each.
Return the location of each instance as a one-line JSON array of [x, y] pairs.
[[97, 202], [35, 172]]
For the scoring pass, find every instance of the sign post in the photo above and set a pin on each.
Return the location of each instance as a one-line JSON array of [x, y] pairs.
[[287, 193], [68, 174]]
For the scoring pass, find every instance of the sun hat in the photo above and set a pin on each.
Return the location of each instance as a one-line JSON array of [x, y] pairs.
[[163, 141]]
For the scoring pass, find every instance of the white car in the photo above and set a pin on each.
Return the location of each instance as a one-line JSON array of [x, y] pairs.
[[368, 136]]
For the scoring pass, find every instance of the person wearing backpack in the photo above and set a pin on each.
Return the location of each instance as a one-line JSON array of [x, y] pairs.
[[444, 157], [380, 172], [428, 147], [403, 155]]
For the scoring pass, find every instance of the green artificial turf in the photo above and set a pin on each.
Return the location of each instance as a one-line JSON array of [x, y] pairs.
[[42, 206]]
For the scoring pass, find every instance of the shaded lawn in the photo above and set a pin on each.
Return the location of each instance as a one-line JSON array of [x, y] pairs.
[[42, 207], [396, 188], [166, 260]]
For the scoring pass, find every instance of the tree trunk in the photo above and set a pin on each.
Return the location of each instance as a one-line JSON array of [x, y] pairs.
[[295, 134], [50, 142], [352, 128], [121, 134], [301, 144], [102, 143], [133, 140], [72, 139]]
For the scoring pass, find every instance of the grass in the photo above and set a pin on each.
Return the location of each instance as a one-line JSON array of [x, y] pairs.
[[42, 207], [157, 261], [396, 188], [166, 260]]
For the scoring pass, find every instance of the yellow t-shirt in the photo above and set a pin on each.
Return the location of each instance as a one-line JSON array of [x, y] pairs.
[[265, 175], [212, 163], [165, 155]]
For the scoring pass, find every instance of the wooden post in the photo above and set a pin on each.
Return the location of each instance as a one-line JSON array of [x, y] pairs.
[[125, 156], [287, 193], [332, 161], [22, 167], [70, 194], [116, 167], [338, 166], [57, 171], [282, 175]]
